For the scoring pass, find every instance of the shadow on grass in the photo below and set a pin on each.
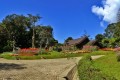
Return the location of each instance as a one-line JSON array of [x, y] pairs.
[[11, 66]]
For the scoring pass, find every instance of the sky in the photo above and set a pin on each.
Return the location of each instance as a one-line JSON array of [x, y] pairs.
[[69, 18]]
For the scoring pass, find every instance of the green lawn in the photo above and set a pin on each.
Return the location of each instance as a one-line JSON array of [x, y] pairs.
[[109, 65], [51, 55]]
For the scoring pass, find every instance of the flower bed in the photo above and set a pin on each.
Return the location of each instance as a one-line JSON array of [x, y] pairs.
[[28, 52], [117, 49], [107, 49]]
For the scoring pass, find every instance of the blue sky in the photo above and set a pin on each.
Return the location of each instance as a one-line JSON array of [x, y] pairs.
[[67, 17]]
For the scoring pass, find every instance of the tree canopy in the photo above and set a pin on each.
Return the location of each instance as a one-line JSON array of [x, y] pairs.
[[22, 31]]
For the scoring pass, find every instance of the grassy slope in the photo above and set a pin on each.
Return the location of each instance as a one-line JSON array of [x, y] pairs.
[[109, 65]]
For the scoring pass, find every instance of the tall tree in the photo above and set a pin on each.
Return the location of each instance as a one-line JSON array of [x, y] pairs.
[[45, 35], [15, 26], [113, 30], [112, 34], [33, 20]]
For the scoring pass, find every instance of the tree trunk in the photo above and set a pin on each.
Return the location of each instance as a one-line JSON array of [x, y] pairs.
[[33, 39], [13, 46], [46, 46]]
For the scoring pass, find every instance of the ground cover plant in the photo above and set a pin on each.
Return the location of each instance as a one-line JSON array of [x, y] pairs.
[[109, 65], [87, 70]]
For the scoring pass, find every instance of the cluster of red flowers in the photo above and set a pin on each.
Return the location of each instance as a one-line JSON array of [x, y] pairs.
[[28, 51]]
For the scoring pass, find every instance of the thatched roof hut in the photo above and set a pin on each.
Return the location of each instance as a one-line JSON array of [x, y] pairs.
[[78, 42]]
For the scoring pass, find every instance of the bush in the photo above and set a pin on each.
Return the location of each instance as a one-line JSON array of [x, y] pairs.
[[43, 51], [87, 71], [56, 48], [7, 48]]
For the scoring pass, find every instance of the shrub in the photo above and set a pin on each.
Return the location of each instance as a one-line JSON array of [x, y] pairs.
[[56, 48], [87, 71], [43, 51]]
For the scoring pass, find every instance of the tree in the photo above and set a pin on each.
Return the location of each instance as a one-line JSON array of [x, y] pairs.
[[16, 31], [15, 26], [68, 39], [44, 34], [99, 38], [33, 20], [112, 34], [113, 30]]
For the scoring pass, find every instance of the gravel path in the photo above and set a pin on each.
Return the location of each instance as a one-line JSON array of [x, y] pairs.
[[46, 69]]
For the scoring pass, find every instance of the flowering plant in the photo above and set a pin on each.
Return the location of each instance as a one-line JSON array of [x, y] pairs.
[[28, 51]]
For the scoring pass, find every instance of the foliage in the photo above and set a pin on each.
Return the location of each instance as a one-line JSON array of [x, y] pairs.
[[87, 71], [111, 37], [112, 34], [99, 38], [32, 20], [44, 36], [21, 31], [57, 48], [109, 65], [68, 39]]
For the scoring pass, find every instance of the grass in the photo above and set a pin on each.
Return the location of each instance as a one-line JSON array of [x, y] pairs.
[[102, 52], [109, 65], [91, 70], [51, 55]]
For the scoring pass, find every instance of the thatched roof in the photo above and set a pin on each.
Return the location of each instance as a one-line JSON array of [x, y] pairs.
[[77, 41], [92, 42]]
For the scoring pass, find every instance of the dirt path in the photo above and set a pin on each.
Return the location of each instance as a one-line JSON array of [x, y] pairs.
[[46, 69]]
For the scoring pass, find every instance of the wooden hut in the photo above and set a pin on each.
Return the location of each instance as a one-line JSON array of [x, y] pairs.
[[77, 43]]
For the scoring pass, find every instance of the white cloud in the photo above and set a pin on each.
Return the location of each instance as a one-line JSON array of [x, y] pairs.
[[102, 24], [108, 11]]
